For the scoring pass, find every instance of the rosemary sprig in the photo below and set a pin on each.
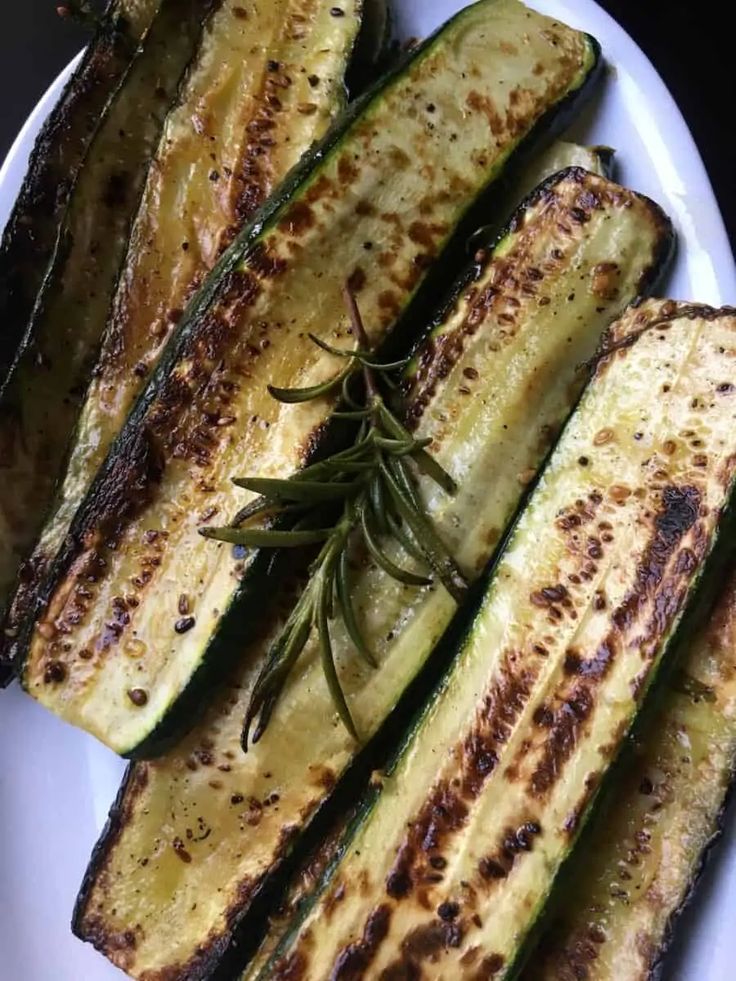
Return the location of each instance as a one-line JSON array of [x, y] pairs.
[[374, 483]]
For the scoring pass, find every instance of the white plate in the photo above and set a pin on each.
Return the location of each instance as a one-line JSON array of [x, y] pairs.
[[56, 784]]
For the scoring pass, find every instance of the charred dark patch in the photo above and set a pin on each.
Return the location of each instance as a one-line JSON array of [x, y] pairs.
[[355, 959], [489, 967], [128, 486], [118, 945], [492, 727], [357, 279], [298, 219], [563, 737], [442, 815], [424, 943], [490, 869], [514, 841], [425, 235], [347, 172], [313, 442], [678, 513], [263, 261]]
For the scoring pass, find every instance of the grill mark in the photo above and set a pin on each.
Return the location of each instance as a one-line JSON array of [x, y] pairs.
[[506, 277], [678, 515], [353, 960], [423, 943], [444, 813]]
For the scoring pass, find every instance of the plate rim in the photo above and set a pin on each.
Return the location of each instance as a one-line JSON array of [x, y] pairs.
[[622, 47]]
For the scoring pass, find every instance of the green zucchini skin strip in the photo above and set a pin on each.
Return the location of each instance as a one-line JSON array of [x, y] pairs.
[[274, 274], [40, 399], [29, 236], [502, 431], [452, 861], [191, 207], [648, 839]]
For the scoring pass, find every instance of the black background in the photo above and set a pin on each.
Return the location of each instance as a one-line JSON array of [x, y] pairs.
[[682, 37]]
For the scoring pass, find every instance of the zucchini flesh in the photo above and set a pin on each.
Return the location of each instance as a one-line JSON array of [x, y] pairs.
[[29, 236], [41, 396], [235, 132], [137, 880], [648, 838], [453, 860], [206, 414]]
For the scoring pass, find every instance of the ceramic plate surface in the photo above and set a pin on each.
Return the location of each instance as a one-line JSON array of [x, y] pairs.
[[56, 784]]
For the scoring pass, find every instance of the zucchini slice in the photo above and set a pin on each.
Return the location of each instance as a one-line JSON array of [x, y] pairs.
[[254, 807], [30, 234], [236, 131], [647, 841], [453, 859], [384, 193], [40, 399]]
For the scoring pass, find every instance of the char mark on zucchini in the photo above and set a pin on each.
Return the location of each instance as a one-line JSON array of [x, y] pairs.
[[640, 859]]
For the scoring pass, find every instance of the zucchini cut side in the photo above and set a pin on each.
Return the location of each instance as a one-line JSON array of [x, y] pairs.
[[386, 192], [452, 861], [263, 86], [29, 236], [40, 399], [530, 333], [650, 833]]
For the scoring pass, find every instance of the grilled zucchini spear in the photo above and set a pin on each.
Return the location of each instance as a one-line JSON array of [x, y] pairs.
[[640, 861], [30, 234], [264, 85], [489, 386], [385, 192], [40, 399], [453, 859]]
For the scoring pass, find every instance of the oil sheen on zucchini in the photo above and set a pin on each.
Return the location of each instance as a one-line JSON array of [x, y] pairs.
[[501, 368], [40, 400], [30, 234], [265, 84], [383, 195], [642, 854], [454, 857]]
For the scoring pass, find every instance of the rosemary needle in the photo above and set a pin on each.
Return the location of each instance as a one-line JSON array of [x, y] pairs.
[[373, 483]]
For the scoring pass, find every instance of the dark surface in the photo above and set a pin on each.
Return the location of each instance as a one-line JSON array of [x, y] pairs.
[[695, 58]]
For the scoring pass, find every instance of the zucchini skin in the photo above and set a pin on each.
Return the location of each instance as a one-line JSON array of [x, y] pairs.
[[206, 181], [656, 824], [29, 236], [403, 625], [133, 484], [489, 846]]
